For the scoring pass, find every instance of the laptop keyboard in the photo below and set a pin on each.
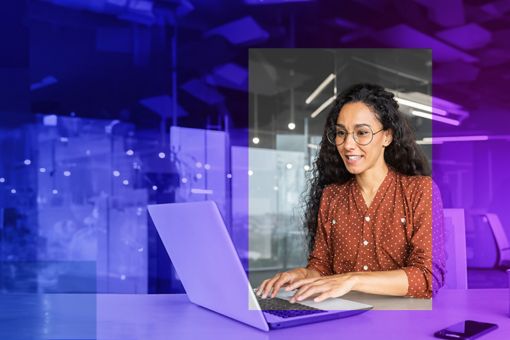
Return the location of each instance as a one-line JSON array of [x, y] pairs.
[[285, 309]]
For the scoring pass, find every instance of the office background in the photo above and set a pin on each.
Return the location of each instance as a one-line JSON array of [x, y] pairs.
[[108, 106]]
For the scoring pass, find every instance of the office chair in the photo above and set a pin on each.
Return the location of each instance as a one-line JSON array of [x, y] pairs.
[[455, 245], [490, 245]]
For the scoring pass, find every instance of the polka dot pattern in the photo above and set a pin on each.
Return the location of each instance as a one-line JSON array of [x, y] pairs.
[[399, 230]]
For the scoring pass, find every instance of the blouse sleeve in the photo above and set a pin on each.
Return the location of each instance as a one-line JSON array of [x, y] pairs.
[[425, 267], [320, 257]]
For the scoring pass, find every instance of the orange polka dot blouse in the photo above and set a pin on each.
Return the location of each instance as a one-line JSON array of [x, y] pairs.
[[402, 229]]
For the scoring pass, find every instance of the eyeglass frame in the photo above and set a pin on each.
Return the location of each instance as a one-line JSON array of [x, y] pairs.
[[352, 133]]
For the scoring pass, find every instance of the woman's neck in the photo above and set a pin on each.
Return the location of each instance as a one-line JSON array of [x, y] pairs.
[[370, 180]]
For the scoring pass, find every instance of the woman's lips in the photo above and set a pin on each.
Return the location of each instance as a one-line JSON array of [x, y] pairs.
[[353, 159]]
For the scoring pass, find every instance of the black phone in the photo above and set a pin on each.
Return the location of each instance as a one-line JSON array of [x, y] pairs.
[[468, 329]]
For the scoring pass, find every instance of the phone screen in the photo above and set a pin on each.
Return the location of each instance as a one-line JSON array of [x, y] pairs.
[[466, 329]]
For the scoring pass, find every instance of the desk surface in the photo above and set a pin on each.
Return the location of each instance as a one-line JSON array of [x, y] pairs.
[[116, 316]]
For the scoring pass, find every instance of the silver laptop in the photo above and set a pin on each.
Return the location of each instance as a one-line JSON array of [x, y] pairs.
[[211, 272]]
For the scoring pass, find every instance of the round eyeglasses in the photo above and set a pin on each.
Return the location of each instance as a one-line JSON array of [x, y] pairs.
[[362, 134]]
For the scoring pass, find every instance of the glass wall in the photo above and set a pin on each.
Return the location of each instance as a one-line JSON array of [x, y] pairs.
[[74, 207], [74, 194]]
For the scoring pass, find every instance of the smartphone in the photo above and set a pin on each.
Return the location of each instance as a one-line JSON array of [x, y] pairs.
[[468, 329]]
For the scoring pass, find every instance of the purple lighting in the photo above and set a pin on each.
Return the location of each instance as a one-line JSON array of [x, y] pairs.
[[160, 105], [404, 36], [230, 76], [467, 37], [201, 191], [46, 81], [199, 89], [242, 31], [435, 117], [272, 2]]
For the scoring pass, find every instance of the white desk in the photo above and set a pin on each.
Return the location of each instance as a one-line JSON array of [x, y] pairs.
[[152, 317]]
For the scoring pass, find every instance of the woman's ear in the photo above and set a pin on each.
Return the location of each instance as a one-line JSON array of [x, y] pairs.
[[388, 137]]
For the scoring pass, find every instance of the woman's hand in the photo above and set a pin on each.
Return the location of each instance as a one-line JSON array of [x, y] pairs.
[[325, 287], [270, 287]]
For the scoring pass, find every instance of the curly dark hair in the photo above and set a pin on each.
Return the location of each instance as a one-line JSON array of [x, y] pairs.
[[403, 154]]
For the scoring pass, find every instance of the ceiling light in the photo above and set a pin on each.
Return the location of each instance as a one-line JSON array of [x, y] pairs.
[[435, 117], [321, 87], [322, 107], [439, 140]]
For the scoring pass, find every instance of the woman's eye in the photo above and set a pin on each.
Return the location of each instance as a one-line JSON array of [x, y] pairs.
[[340, 133], [362, 132]]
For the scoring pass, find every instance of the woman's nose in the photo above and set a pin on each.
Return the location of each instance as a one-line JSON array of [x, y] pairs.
[[349, 141]]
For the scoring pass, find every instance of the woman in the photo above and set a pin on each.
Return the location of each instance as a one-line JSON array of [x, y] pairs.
[[373, 215]]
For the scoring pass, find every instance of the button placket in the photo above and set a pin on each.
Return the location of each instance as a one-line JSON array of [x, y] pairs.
[[366, 229]]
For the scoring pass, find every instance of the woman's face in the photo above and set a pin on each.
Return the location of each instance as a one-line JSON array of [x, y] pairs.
[[360, 158]]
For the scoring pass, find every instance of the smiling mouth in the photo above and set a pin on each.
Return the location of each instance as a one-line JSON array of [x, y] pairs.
[[353, 158]]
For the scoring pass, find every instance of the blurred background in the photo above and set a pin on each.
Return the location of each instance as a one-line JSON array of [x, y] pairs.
[[109, 105]]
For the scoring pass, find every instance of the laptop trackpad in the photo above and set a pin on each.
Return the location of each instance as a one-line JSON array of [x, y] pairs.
[[329, 304]]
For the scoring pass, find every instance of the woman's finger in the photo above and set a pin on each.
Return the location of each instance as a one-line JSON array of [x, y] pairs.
[[325, 295], [270, 285], [333, 293], [313, 289], [262, 287], [301, 282], [284, 278]]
